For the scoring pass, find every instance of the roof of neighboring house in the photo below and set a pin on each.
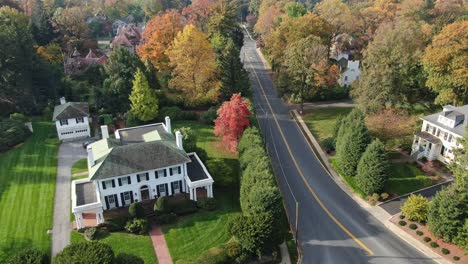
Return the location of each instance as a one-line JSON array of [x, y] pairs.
[[458, 114], [70, 110], [91, 55], [195, 170], [139, 149], [127, 35]]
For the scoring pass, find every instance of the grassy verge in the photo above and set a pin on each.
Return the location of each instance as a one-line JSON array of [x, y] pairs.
[[351, 181], [80, 166], [321, 121], [193, 234], [406, 178], [27, 187], [137, 245]]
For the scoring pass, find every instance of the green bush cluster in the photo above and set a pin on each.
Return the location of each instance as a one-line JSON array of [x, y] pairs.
[[434, 244], [137, 226], [124, 258], [456, 258], [427, 239], [207, 203], [86, 252], [328, 144], [12, 133], [177, 204], [415, 208], [29, 256], [176, 114], [260, 227], [402, 223], [115, 224], [419, 233], [222, 173], [445, 251], [209, 116], [413, 226], [136, 210], [91, 233]]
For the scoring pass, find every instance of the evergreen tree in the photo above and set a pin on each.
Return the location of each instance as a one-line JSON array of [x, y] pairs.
[[144, 103], [351, 145], [344, 124], [40, 25], [372, 168], [234, 78]]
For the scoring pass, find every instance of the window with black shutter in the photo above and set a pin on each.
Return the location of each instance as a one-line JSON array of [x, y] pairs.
[[129, 180], [179, 169], [138, 177], [147, 176], [171, 172], [103, 185], [113, 183], [156, 174], [120, 182], [165, 173]]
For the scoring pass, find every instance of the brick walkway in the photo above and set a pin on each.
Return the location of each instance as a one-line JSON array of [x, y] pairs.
[[159, 244]]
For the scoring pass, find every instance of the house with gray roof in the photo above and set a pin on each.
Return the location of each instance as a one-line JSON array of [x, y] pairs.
[[138, 164], [440, 134], [71, 120]]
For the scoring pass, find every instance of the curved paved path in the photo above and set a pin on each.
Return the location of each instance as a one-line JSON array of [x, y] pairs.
[[332, 227], [69, 153]]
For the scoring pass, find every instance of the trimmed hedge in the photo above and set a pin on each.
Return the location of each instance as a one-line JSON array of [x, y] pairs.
[[419, 233], [137, 226], [207, 203], [445, 251], [91, 233], [413, 226], [427, 239], [29, 256], [136, 210], [86, 252], [124, 258], [175, 113], [402, 223], [434, 244]]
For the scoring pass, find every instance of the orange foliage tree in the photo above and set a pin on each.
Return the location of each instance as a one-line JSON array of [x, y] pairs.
[[198, 13], [233, 118], [157, 37], [390, 124]]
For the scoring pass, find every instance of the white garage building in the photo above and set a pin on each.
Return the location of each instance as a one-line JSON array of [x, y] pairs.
[[71, 120]]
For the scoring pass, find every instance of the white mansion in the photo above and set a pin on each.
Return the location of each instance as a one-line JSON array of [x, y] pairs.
[[140, 163], [440, 134], [71, 119]]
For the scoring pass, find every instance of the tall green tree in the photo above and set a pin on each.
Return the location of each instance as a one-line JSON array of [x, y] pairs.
[[391, 70], [224, 20], [295, 9], [351, 144], [458, 167], [372, 170], [117, 87], [40, 26], [302, 62], [234, 78], [144, 102]]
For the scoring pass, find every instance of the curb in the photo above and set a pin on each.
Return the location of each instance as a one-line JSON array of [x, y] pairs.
[[380, 214]]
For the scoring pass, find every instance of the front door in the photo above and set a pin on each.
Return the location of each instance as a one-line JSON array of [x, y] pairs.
[[111, 201], [176, 187], [144, 193]]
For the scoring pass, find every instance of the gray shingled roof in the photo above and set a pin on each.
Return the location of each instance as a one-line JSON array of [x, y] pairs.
[[454, 113], [70, 110], [195, 171], [144, 134], [137, 157]]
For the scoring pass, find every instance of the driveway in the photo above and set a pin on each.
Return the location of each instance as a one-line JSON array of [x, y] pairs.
[[69, 153], [393, 206]]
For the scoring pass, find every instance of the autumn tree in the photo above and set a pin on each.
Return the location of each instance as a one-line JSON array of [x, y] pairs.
[[198, 13], [391, 70], [268, 21], [303, 59], [52, 53], [339, 15], [294, 9], [144, 102], [71, 23], [233, 118], [445, 64], [391, 124], [159, 33], [195, 72]]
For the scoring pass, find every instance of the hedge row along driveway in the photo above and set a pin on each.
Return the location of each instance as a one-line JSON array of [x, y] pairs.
[[27, 186]]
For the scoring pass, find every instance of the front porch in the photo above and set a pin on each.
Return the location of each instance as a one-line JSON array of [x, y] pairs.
[[86, 204], [199, 181], [428, 146]]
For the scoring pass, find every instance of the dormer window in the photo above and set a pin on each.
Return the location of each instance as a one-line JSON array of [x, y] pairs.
[[63, 122], [79, 120]]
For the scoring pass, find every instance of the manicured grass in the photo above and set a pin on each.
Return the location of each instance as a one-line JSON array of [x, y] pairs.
[[27, 187], [138, 245], [406, 178], [80, 166], [321, 121], [193, 234]]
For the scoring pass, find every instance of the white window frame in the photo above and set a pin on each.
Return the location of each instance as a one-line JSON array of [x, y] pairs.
[[64, 122], [79, 120], [127, 195]]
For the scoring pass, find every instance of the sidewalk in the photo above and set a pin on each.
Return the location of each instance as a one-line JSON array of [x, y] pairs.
[[376, 211], [159, 244]]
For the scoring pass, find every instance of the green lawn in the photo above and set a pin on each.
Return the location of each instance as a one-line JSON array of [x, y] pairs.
[[406, 178], [137, 245], [321, 121], [195, 233], [27, 187], [80, 166]]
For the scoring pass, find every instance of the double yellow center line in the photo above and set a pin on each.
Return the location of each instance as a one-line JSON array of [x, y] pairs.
[[311, 190]]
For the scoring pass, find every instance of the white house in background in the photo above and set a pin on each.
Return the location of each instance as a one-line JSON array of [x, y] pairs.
[[440, 134], [71, 119], [349, 69], [140, 163]]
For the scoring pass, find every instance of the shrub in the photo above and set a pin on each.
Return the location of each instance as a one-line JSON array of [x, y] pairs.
[[402, 223], [162, 205], [434, 244], [29, 256], [233, 249], [427, 239], [12, 133], [209, 116], [413, 226], [185, 207], [115, 224], [374, 199], [124, 258], [137, 226], [402, 216], [328, 144], [136, 210], [91, 233], [419, 233], [86, 252], [372, 168], [415, 208], [105, 119], [456, 258], [445, 251], [166, 218], [384, 196], [207, 203], [222, 173], [18, 117], [213, 256], [175, 113]]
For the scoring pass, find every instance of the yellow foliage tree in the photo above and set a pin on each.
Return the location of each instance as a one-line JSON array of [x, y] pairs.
[[193, 61]]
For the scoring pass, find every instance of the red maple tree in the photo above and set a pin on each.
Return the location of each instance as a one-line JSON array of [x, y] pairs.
[[232, 120]]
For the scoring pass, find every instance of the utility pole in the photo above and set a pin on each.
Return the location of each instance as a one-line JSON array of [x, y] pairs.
[[297, 220]]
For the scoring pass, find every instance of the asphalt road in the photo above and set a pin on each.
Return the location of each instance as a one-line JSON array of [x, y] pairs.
[[332, 228]]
